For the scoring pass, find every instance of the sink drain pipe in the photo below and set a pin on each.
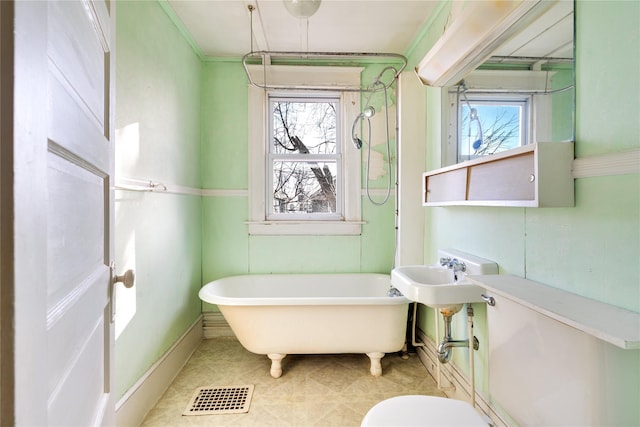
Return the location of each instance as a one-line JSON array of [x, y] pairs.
[[472, 342], [447, 343], [445, 346]]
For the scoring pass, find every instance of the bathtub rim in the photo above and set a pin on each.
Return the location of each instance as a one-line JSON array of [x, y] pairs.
[[207, 295]]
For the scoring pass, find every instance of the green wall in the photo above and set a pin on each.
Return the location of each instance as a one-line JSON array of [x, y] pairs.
[[592, 249], [157, 138]]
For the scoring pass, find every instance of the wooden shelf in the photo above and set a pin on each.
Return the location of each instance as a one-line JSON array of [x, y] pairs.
[[536, 175]]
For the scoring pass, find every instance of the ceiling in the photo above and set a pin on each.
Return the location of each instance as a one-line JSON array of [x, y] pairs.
[[223, 28], [550, 36]]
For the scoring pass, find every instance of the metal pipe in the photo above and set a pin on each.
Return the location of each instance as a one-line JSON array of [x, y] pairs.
[[445, 346], [517, 91], [472, 378], [310, 56], [439, 373], [413, 328]]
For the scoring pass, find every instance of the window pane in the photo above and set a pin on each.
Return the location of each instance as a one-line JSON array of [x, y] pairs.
[[304, 127], [490, 127], [304, 187]]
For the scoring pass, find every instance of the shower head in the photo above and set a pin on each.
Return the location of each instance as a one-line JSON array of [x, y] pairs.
[[357, 142], [368, 112]]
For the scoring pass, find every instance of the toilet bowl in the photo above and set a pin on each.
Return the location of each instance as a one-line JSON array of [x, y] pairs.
[[414, 410]]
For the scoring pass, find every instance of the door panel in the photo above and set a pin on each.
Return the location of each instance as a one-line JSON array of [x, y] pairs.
[[76, 49], [76, 237], [79, 397], [79, 164], [70, 123]]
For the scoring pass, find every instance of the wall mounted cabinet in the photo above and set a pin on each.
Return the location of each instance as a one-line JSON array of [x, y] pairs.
[[536, 175]]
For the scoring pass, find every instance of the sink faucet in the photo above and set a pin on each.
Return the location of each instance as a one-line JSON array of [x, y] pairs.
[[453, 264]]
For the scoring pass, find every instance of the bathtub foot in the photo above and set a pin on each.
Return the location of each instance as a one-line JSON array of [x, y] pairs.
[[276, 364], [376, 367]]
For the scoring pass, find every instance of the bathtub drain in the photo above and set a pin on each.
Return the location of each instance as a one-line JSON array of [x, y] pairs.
[[220, 400]]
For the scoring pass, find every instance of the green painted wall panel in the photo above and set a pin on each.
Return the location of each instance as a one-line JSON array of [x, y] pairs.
[[304, 254], [225, 239], [493, 233], [562, 106], [576, 248], [607, 83], [378, 235], [157, 97], [224, 126], [158, 236], [157, 138]]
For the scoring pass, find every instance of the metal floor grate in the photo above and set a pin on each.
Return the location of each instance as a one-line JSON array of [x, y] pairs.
[[220, 400]]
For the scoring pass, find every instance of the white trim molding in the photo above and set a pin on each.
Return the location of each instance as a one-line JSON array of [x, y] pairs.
[[619, 163], [258, 223], [152, 186], [144, 394]]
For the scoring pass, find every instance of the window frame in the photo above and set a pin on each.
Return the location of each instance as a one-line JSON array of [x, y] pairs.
[[503, 99], [499, 84], [350, 222], [271, 158]]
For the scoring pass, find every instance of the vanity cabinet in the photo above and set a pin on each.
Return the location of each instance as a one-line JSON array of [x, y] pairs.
[[536, 175]]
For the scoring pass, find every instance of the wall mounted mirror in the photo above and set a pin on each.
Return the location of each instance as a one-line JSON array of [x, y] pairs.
[[522, 92]]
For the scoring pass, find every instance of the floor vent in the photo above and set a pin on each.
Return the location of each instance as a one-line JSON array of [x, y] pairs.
[[220, 400]]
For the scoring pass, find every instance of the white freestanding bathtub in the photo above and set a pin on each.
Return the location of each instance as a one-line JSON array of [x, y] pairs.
[[280, 314]]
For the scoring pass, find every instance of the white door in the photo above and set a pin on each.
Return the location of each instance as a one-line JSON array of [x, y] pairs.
[[63, 143]]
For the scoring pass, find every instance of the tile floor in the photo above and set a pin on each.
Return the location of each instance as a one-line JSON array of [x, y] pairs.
[[314, 390]]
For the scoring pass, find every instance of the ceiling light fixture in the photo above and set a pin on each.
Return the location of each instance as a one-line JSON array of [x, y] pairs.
[[302, 8]]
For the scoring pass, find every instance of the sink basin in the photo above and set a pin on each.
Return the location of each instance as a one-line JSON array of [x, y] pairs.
[[434, 286]]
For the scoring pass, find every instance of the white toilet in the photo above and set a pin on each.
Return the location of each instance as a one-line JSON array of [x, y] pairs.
[[414, 410]]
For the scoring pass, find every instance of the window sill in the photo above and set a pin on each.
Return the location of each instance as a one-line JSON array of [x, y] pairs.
[[305, 228]]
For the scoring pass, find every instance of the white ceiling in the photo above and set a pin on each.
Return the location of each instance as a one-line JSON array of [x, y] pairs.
[[222, 28], [549, 36]]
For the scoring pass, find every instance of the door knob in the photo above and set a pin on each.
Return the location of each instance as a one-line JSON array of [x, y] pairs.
[[126, 279]]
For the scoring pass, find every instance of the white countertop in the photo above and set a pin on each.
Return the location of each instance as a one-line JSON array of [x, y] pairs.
[[607, 322]]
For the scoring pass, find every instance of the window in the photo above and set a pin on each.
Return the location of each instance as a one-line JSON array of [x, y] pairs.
[[501, 110], [304, 164], [303, 177], [491, 123]]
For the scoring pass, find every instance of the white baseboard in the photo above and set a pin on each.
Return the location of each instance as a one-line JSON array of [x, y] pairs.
[[453, 382], [215, 325], [142, 397]]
